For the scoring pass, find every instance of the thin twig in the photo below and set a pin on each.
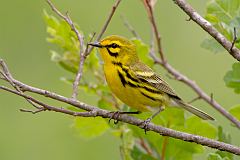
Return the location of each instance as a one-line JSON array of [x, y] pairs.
[[80, 38], [151, 17], [145, 146], [194, 99], [151, 46], [188, 9], [179, 76], [234, 38], [129, 27], [108, 20], [86, 53], [31, 111], [164, 145], [211, 96], [114, 7], [94, 111]]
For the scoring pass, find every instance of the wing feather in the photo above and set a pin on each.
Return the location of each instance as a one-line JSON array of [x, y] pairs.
[[146, 75]]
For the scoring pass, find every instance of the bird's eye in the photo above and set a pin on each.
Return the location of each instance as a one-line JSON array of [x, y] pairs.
[[114, 45]]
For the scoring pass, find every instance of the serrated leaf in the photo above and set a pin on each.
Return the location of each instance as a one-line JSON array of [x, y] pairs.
[[224, 16], [143, 52], [212, 45], [232, 78], [224, 10], [89, 127], [235, 111], [60, 34], [200, 127], [214, 156]]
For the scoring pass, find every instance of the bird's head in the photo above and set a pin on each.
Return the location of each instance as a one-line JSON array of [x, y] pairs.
[[117, 49]]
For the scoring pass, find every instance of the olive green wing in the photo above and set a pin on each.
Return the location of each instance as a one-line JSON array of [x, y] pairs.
[[146, 75]]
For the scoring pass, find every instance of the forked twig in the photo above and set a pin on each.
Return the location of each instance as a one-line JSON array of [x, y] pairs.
[[234, 38], [208, 27]]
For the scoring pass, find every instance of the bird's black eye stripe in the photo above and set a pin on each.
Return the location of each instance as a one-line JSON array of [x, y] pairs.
[[113, 45]]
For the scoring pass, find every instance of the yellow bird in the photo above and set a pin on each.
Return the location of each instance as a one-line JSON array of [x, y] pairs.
[[136, 84]]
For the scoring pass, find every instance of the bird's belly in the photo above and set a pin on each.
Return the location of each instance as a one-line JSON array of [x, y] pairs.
[[132, 96]]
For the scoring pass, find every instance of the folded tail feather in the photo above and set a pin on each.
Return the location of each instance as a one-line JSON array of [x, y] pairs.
[[193, 110]]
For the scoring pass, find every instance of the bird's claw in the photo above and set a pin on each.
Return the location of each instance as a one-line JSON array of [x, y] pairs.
[[145, 124], [114, 116]]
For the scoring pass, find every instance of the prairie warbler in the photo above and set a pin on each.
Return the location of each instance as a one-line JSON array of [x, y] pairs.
[[136, 84]]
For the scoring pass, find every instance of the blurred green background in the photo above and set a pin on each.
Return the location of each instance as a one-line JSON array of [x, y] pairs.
[[23, 46]]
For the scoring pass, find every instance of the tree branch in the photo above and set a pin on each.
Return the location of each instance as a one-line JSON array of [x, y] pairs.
[[114, 7], [187, 8], [129, 27], [94, 111], [179, 76]]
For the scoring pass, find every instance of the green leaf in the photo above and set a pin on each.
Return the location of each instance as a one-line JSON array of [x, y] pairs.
[[224, 16], [235, 111], [60, 34], [143, 52], [67, 61], [89, 127], [138, 153], [105, 103], [214, 156], [127, 142], [232, 78], [224, 137], [224, 10], [212, 45], [200, 127]]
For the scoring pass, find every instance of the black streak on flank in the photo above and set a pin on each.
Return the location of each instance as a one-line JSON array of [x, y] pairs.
[[154, 99], [136, 80], [129, 75], [112, 53], [126, 71], [117, 63], [124, 82]]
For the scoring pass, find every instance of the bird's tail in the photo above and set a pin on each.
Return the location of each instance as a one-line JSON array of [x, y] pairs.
[[193, 110]]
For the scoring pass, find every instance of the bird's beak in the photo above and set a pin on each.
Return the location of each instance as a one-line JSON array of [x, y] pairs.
[[95, 44]]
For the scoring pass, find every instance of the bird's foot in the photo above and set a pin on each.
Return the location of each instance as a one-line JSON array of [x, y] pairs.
[[115, 115], [145, 124]]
